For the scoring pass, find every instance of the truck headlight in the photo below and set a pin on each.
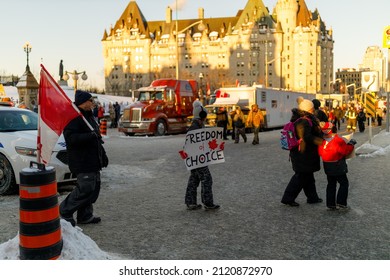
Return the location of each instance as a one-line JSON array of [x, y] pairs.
[[26, 151]]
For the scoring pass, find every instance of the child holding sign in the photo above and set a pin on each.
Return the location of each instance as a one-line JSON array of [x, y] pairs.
[[202, 174]]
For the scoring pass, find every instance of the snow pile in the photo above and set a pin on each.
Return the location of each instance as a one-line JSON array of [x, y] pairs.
[[379, 146], [77, 246]]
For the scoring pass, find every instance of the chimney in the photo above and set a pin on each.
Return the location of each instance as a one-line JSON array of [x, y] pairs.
[[168, 15], [201, 13]]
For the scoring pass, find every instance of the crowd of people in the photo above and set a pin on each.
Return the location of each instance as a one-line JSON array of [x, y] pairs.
[[315, 128], [114, 113], [354, 114]]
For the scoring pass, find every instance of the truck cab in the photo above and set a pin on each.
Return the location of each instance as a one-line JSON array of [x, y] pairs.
[[162, 108]]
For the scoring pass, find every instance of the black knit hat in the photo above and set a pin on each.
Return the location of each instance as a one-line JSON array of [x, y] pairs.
[[81, 97], [316, 103]]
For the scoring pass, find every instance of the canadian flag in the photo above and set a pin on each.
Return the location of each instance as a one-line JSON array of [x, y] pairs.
[[55, 111]]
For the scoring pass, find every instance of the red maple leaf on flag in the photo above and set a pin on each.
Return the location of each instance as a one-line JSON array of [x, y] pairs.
[[213, 144]]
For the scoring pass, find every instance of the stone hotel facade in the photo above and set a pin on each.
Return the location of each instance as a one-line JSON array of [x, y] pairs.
[[290, 48]]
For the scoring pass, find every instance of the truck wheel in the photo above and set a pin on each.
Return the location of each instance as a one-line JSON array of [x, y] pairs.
[[7, 177], [130, 133], [161, 128]]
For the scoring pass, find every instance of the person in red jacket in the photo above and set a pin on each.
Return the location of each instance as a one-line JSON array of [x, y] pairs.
[[333, 152], [100, 112]]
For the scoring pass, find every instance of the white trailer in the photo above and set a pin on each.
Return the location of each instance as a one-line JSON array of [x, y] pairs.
[[276, 105], [241, 96]]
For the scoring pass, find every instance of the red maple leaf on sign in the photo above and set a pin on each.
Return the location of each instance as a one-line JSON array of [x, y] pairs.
[[213, 144]]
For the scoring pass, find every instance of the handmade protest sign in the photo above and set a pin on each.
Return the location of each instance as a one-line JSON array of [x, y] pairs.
[[203, 147]]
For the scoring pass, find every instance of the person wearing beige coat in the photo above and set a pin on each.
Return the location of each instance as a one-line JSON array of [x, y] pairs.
[[255, 120]]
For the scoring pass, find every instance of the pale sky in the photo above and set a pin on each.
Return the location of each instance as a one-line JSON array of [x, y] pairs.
[[72, 30]]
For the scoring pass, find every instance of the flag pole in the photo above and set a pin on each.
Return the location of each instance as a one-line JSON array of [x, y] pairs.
[[62, 91], [47, 84]]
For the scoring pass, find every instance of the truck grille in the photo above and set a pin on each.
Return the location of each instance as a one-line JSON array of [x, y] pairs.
[[136, 114]]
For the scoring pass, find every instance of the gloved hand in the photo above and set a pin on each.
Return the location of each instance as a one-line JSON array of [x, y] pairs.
[[352, 142]]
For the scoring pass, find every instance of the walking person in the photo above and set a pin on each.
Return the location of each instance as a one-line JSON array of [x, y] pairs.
[[100, 112], [239, 124], [332, 116], [255, 120], [304, 158], [112, 115], [338, 112], [351, 118], [361, 118], [200, 175], [333, 152], [379, 116], [86, 157], [117, 110], [232, 113], [222, 121]]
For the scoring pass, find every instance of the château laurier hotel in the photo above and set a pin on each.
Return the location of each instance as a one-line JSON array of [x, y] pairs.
[[288, 47]]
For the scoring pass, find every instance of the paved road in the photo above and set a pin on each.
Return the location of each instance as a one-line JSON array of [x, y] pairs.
[[144, 216]]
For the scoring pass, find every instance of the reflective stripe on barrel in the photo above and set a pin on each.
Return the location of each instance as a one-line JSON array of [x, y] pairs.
[[40, 241], [38, 191], [103, 127]]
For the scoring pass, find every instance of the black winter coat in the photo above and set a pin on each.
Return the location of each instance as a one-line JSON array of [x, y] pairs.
[[306, 158], [196, 124], [85, 149]]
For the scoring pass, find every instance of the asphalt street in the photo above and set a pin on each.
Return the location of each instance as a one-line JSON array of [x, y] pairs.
[[144, 216]]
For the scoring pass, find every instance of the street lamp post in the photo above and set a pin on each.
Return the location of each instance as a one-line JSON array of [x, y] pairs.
[[201, 27], [27, 48], [75, 77], [200, 87]]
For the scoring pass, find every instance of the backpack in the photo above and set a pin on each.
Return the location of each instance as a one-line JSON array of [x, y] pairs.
[[288, 138]]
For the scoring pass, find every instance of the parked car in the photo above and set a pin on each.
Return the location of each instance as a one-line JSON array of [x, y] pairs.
[[6, 101], [18, 147]]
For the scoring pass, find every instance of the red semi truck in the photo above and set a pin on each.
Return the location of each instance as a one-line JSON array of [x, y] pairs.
[[161, 108]]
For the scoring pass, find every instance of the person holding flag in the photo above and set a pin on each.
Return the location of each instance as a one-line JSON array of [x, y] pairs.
[[86, 157]]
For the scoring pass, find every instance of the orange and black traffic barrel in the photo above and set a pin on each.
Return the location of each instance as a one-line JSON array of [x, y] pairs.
[[39, 227], [103, 127]]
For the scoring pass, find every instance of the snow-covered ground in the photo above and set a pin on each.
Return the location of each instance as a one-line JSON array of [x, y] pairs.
[[77, 246]]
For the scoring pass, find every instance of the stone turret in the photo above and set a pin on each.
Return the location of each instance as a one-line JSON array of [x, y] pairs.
[[28, 89]]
